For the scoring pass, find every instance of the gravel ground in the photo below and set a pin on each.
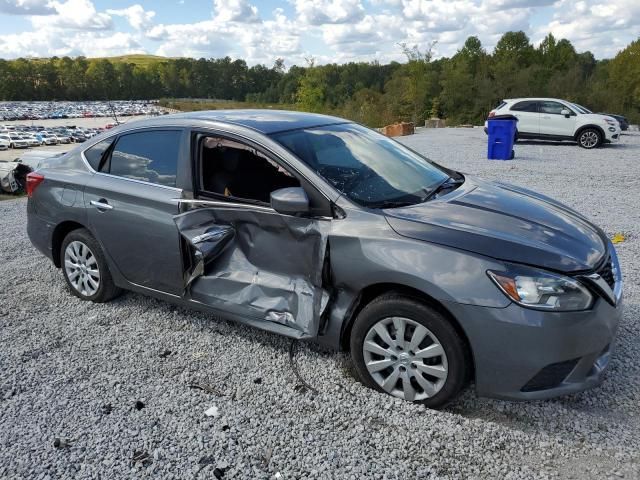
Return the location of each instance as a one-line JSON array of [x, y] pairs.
[[128, 383]]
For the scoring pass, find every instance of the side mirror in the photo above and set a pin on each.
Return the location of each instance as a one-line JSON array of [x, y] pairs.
[[566, 112], [290, 201]]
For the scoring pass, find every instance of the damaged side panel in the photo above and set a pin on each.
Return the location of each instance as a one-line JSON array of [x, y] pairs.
[[258, 264]]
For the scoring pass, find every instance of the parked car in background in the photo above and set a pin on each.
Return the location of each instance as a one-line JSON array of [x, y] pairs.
[[62, 138], [16, 141], [78, 136], [624, 123], [31, 138], [47, 138], [317, 228], [555, 119], [5, 142]]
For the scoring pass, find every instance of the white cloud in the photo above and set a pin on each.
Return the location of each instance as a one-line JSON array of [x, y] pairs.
[[318, 12], [49, 42], [239, 11], [592, 25], [26, 7], [136, 15], [328, 30], [76, 15]]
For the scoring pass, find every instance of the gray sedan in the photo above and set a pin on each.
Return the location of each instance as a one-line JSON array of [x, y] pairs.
[[319, 229]]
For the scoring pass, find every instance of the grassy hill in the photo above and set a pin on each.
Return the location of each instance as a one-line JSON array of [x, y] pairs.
[[137, 59]]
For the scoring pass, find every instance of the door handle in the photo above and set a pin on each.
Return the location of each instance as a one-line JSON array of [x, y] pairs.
[[101, 204]]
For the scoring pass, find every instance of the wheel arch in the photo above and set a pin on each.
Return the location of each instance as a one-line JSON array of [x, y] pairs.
[[59, 233], [595, 127], [373, 291]]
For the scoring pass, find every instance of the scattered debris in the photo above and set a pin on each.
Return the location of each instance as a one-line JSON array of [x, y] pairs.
[[142, 457], [139, 405], [61, 443], [207, 460], [226, 428], [106, 409], [165, 353], [257, 381], [434, 122], [618, 238], [399, 129], [212, 412], [204, 388], [304, 387], [218, 472]]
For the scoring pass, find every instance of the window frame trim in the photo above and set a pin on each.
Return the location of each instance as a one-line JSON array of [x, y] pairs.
[[572, 114], [197, 133], [116, 136], [536, 102]]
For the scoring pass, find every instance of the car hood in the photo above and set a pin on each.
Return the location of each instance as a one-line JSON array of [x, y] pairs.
[[596, 117], [507, 223]]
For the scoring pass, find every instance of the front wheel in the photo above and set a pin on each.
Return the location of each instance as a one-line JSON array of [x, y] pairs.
[[85, 268], [590, 138], [409, 350]]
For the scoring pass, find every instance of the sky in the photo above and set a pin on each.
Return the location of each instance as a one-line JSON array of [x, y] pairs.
[[259, 31]]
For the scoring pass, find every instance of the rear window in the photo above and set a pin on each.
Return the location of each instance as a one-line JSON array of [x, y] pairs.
[[150, 156], [95, 153], [525, 106]]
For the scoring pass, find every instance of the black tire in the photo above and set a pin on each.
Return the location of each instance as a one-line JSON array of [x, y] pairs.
[[107, 290], [396, 305], [589, 138]]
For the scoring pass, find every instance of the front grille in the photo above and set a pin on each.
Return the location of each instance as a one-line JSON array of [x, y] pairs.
[[550, 376], [606, 272]]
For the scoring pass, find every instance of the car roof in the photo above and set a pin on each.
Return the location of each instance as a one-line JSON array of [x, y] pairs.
[[536, 99], [265, 121]]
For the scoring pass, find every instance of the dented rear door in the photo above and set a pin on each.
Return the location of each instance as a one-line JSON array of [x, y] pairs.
[[252, 262]]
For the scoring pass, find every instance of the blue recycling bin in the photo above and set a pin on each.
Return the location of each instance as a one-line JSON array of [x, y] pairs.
[[501, 131]]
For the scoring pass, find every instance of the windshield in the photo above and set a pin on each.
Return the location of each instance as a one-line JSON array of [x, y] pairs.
[[369, 168], [581, 109]]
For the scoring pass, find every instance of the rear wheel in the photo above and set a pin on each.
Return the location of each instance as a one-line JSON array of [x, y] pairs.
[[85, 269], [590, 138], [405, 348]]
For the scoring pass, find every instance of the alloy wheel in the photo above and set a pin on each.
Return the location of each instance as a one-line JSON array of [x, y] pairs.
[[405, 358], [589, 139], [81, 267]]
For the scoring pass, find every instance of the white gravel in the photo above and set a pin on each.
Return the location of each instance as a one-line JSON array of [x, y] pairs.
[[113, 381]]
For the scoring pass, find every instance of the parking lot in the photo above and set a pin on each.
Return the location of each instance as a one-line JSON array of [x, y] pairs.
[[127, 383]]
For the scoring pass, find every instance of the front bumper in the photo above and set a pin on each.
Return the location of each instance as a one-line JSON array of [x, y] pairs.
[[525, 354], [612, 136]]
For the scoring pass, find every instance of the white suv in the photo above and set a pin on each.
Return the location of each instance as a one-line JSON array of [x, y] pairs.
[[554, 119]]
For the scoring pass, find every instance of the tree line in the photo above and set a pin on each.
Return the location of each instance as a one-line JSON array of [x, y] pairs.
[[462, 88]]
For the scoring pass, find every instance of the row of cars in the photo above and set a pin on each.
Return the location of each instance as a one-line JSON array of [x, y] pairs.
[[43, 110], [36, 136]]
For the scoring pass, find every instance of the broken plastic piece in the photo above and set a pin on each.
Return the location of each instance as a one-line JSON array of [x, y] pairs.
[[212, 412]]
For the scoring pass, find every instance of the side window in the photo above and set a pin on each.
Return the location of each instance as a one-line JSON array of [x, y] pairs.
[[150, 156], [552, 107], [236, 170], [94, 154], [525, 106]]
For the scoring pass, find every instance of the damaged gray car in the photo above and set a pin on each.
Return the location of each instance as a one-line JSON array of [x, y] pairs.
[[320, 229]]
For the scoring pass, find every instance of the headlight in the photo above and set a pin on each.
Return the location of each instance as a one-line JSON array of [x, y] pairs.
[[542, 290], [611, 122]]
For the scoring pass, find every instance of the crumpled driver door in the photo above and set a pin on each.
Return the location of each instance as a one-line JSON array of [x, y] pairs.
[[256, 264]]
